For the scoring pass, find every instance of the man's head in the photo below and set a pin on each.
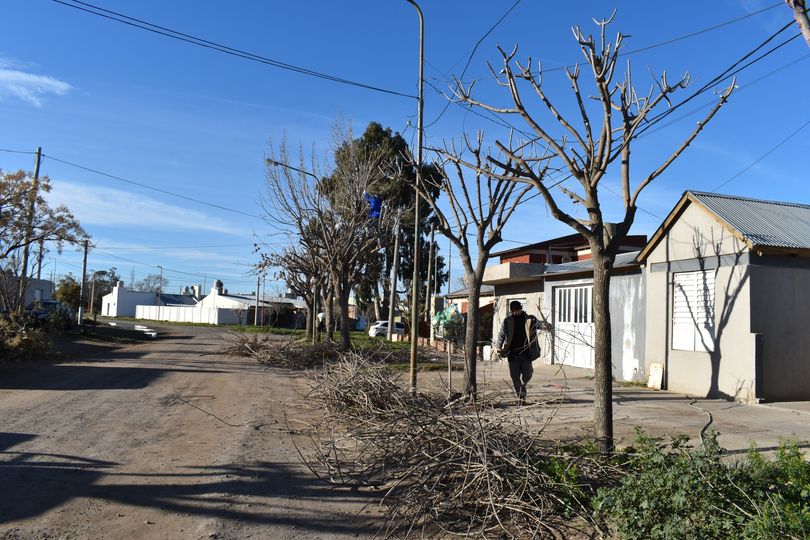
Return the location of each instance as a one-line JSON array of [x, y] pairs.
[[515, 308]]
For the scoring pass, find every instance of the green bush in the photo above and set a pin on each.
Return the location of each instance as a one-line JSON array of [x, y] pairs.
[[673, 491], [20, 342]]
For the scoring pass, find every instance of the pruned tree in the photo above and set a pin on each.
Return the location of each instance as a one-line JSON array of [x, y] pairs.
[[587, 151], [21, 230], [302, 270], [333, 208], [479, 208], [799, 9]]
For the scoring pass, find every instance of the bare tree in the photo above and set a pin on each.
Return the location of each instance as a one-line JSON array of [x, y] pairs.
[[587, 152], [799, 9], [333, 208], [301, 269], [479, 208]]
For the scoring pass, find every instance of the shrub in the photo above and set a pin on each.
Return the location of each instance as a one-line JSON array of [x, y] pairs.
[[675, 491], [20, 342]]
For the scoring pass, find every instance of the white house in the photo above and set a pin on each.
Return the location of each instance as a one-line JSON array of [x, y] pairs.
[[121, 302]]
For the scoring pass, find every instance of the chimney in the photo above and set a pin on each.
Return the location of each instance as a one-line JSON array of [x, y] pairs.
[[217, 289], [196, 291]]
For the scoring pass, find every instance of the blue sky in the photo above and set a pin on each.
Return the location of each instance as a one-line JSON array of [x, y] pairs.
[[196, 122]]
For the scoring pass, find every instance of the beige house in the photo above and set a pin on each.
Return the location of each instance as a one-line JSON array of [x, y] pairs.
[[728, 298]]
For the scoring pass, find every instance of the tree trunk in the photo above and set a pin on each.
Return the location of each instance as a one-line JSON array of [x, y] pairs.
[[377, 303], [471, 334], [799, 8], [310, 318], [330, 313], [603, 380], [343, 302]]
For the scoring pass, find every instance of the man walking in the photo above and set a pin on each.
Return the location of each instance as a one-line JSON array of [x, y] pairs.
[[517, 341]]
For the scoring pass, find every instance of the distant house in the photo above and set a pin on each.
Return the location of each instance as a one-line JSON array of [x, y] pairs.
[[122, 302], [553, 281], [728, 298], [459, 298], [36, 290], [220, 307]]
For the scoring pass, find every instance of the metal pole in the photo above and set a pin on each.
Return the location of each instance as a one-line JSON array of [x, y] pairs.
[[81, 285], [416, 233], [428, 296], [256, 313], [392, 297], [29, 227]]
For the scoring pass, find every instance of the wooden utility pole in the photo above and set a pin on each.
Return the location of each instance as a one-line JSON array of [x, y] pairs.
[[81, 284], [29, 228], [392, 300]]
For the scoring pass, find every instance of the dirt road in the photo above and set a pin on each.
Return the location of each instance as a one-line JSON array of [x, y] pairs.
[[164, 439]]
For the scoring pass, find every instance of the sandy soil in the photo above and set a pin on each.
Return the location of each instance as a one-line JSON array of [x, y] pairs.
[[164, 439]]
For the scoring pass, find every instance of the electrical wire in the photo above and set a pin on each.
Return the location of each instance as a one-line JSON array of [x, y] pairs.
[[188, 38], [146, 186], [763, 156], [470, 57]]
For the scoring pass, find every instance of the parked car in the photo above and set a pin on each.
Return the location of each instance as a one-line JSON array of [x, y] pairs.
[[380, 328], [42, 309]]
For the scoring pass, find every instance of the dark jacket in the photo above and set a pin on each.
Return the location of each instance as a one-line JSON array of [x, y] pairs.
[[504, 341]]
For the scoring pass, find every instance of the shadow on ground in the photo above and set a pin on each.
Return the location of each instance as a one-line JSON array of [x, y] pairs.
[[33, 483]]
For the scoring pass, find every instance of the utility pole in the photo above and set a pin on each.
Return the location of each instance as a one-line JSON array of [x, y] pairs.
[[29, 227], [81, 285], [394, 272], [449, 264], [39, 258], [93, 294], [256, 313], [428, 295], [160, 292], [417, 217]]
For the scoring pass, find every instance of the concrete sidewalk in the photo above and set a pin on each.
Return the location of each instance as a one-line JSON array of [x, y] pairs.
[[658, 413]]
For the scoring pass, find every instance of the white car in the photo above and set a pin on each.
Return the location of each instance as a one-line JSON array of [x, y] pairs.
[[380, 328]]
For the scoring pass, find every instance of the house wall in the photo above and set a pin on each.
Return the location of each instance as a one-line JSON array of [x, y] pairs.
[[697, 241], [627, 318], [780, 311], [122, 302], [38, 290], [190, 314]]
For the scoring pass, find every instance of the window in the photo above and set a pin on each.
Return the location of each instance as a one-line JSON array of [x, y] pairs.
[[574, 304], [693, 311]]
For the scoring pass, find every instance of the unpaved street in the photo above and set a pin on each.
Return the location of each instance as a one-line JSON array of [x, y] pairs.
[[165, 439]]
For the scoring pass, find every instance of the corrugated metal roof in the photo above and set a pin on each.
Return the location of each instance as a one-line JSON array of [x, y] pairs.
[[763, 223], [486, 290]]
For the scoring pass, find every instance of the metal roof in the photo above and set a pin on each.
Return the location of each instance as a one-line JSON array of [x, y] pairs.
[[586, 265], [486, 290], [763, 223]]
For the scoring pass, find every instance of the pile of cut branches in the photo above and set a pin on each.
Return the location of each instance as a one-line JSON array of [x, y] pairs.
[[463, 467], [285, 352]]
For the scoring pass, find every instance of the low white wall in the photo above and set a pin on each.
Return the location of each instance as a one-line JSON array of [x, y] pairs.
[[189, 314]]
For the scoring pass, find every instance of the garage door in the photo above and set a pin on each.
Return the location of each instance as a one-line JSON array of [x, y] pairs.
[[573, 326]]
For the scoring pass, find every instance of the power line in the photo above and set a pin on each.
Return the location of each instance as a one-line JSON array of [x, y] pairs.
[[146, 186], [200, 42], [472, 53], [763, 156], [681, 37]]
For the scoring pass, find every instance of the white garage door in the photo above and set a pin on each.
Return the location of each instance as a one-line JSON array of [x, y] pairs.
[[573, 326]]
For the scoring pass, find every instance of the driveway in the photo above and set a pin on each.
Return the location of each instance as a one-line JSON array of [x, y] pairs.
[[162, 439], [658, 412]]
